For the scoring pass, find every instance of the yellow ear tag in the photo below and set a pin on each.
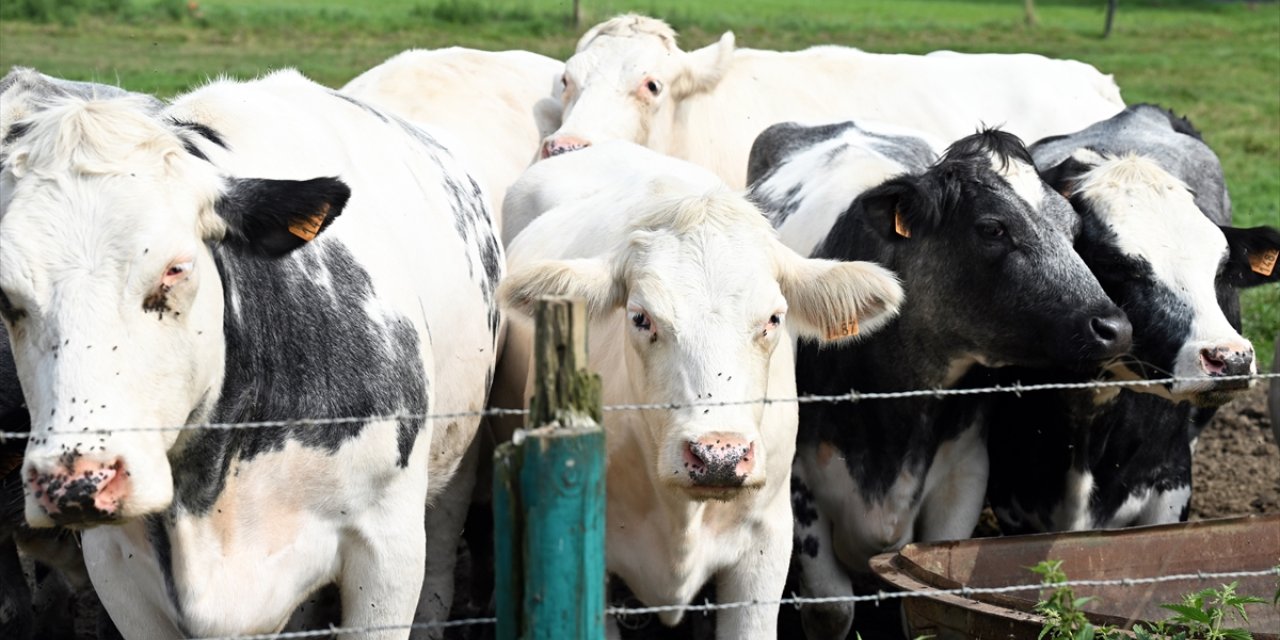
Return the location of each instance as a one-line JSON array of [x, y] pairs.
[[307, 228], [846, 329], [1264, 263], [900, 226]]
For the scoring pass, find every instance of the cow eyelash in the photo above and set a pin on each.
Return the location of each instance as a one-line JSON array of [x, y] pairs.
[[641, 321]]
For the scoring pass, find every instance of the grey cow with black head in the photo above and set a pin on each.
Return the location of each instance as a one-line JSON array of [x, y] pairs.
[[1156, 231], [984, 251]]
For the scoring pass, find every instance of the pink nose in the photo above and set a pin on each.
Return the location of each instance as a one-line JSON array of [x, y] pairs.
[[719, 460], [1227, 360], [563, 144], [88, 491]]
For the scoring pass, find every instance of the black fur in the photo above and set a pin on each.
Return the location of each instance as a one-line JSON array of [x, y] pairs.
[[298, 350], [259, 213]]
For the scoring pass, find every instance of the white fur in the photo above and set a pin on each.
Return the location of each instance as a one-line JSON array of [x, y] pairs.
[[482, 104], [1155, 218], [709, 271], [717, 99], [105, 198]]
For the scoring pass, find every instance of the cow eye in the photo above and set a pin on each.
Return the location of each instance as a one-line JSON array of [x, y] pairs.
[[641, 321], [564, 81], [653, 86], [775, 320], [991, 229]]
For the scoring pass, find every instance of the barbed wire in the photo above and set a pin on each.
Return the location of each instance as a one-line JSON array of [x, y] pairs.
[[851, 396], [797, 601], [319, 633], [959, 591]]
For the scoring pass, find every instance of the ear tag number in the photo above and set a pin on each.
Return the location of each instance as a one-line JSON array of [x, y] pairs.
[[846, 329], [307, 228], [1263, 263]]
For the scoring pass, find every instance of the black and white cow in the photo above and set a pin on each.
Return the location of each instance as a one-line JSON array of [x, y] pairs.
[[983, 248], [257, 251], [1151, 196]]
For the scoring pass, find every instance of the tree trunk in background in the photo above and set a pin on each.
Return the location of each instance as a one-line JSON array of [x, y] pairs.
[[1111, 14], [1030, 6]]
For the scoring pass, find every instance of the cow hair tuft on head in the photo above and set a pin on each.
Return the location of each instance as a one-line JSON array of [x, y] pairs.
[[988, 142], [115, 136], [1130, 173], [630, 25]]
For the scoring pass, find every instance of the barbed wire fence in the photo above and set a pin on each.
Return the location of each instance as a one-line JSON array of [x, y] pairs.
[[707, 607]]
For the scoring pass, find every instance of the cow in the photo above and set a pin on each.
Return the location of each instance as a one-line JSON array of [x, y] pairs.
[[264, 251], [984, 251], [692, 301], [1156, 232], [487, 107], [629, 80]]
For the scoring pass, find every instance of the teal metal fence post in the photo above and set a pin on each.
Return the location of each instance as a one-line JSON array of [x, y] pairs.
[[549, 493]]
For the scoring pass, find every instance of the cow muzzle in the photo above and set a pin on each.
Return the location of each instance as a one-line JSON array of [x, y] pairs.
[[79, 490], [719, 461], [1202, 366], [563, 144]]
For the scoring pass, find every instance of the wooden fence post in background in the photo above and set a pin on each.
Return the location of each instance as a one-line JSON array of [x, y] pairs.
[[549, 493]]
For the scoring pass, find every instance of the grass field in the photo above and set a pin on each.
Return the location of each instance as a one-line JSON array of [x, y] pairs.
[[1216, 62]]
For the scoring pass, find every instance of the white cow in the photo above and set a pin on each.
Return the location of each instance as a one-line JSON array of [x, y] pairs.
[[253, 251], [629, 80], [692, 299], [485, 106]]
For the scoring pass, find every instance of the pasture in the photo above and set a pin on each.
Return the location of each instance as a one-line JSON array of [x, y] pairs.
[[1216, 62]]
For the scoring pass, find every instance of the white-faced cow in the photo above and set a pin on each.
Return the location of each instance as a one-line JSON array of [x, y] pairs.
[[257, 251], [692, 300], [629, 80], [1152, 198], [487, 107], [983, 248]]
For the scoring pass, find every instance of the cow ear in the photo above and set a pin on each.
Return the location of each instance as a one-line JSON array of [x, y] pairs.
[[1253, 256], [900, 208], [274, 217], [1065, 176], [834, 300], [703, 68], [589, 278]]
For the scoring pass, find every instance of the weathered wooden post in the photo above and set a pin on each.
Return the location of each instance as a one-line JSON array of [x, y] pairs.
[[549, 493]]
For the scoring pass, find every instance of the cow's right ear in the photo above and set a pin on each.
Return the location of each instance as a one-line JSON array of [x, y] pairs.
[[703, 68], [900, 208], [589, 278], [274, 217], [1253, 256]]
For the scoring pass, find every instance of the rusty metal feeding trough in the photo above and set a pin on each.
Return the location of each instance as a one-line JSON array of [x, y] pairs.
[[1233, 544]]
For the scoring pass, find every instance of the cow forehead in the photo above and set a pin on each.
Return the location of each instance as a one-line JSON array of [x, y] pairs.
[[716, 271], [619, 59], [1153, 215]]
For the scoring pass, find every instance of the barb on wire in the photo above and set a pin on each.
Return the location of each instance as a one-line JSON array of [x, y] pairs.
[[851, 396], [320, 633], [960, 591]]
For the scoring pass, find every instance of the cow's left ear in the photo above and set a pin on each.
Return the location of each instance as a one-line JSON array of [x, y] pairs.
[[1253, 256], [703, 68], [834, 300], [274, 217]]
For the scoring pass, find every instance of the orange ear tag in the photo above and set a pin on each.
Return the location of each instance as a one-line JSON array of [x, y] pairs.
[[899, 225], [307, 228], [846, 329], [1264, 263]]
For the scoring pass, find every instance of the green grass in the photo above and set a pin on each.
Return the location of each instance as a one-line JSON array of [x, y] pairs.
[[1216, 62]]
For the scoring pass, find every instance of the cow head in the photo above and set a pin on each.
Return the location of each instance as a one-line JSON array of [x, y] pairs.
[[625, 79], [984, 248], [112, 299], [1161, 259], [699, 303]]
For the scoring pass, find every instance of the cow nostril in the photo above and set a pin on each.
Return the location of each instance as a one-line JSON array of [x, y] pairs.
[[1211, 362], [1104, 329]]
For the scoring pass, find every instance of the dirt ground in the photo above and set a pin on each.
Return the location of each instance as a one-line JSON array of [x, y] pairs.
[[1236, 468]]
